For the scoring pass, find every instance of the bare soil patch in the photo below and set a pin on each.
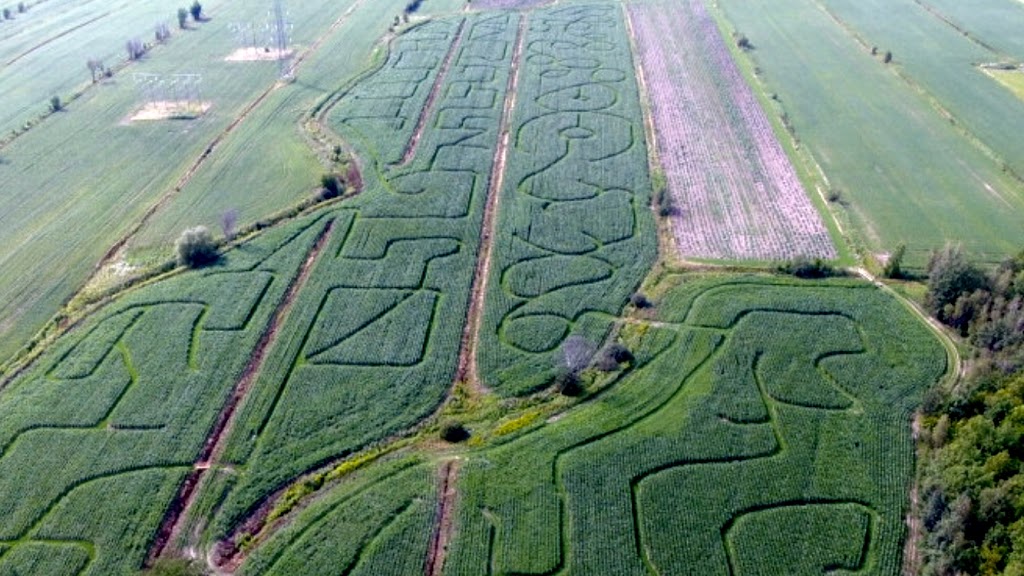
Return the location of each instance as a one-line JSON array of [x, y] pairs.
[[256, 54], [170, 110]]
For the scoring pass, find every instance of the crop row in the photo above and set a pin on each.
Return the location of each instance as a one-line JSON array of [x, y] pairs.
[[736, 194], [575, 234]]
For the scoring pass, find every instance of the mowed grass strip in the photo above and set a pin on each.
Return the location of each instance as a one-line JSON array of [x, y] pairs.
[[907, 175]]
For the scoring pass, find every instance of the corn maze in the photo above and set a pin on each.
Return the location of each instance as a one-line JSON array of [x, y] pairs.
[[123, 406], [736, 192], [575, 233], [374, 340], [760, 425], [763, 428]]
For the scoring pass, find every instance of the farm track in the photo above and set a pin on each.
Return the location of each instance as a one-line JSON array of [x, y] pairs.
[[435, 91], [171, 526], [445, 520], [467, 370], [184, 180]]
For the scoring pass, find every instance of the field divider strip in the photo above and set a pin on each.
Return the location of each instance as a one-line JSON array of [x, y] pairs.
[[214, 445], [435, 90], [467, 367], [443, 527], [666, 238]]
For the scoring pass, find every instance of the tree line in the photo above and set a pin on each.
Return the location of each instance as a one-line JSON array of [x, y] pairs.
[[972, 467]]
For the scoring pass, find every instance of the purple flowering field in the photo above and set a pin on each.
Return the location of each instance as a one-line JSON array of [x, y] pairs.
[[736, 194]]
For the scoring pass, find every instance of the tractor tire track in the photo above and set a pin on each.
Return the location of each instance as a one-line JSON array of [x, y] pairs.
[[172, 523], [50, 40], [467, 370]]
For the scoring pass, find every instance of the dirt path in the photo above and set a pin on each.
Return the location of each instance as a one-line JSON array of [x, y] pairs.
[[467, 367], [445, 521], [114, 253], [170, 528], [435, 90]]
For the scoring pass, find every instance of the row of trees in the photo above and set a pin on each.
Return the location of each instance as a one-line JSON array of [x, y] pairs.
[[972, 479]]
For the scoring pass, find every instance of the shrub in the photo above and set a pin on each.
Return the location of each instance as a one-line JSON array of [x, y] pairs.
[[568, 384], [640, 301], [612, 356], [228, 222], [893, 266], [330, 186], [454, 432], [803, 267], [162, 32], [195, 247]]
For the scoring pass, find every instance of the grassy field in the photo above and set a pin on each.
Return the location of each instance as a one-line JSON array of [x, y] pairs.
[[916, 36], [575, 232], [905, 173], [1013, 80], [994, 24], [43, 51], [753, 408]]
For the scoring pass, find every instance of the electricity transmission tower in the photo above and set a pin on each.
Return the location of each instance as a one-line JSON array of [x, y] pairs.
[[280, 27]]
